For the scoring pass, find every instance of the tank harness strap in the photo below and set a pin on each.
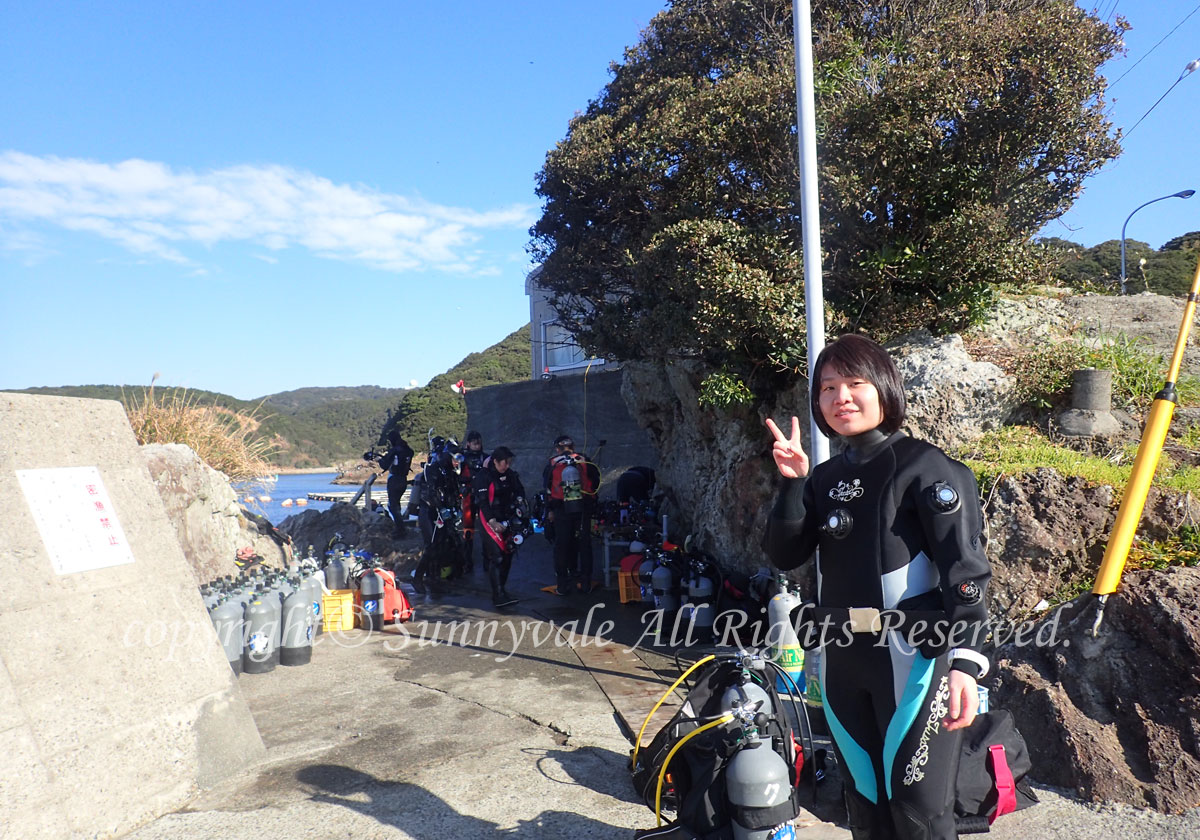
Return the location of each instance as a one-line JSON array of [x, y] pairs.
[[756, 819]]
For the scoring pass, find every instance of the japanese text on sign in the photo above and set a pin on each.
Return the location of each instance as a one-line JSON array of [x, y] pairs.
[[75, 518]]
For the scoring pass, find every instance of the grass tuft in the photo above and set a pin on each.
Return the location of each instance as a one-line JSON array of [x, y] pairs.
[[225, 439], [1015, 450]]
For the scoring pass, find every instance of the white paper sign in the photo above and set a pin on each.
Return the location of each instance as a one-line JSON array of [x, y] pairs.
[[76, 518]]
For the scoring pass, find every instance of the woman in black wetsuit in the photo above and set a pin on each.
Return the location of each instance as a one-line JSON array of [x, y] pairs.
[[901, 582]]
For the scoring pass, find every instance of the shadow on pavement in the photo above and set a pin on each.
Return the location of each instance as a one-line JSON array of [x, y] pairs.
[[425, 816], [588, 767]]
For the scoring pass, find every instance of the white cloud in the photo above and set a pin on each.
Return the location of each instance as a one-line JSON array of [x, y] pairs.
[[150, 209]]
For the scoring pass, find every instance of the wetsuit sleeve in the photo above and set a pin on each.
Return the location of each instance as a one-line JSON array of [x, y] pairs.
[[952, 520], [517, 486], [389, 457], [788, 541]]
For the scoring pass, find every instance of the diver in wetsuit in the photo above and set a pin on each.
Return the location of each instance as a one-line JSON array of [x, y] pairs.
[[901, 582]]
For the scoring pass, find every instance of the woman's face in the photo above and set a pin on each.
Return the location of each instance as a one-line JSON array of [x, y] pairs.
[[850, 404]]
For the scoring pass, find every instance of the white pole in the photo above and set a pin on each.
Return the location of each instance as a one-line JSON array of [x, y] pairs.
[[810, 215]]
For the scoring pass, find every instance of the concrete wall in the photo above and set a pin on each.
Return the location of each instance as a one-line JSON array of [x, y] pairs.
[[116, 701], [527, 417]]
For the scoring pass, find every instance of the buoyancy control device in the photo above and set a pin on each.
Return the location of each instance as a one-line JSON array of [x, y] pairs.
[[727, 764]]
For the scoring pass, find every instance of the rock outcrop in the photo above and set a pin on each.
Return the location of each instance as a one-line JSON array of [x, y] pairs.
[[209, 522], [952, 399], [714, 466], [1116, 716], [1047, 534], [357, 528]]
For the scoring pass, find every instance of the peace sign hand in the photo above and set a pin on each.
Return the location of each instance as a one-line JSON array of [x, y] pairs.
[[788, 452]]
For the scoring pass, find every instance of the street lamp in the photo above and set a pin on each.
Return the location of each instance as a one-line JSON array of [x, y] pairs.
[[1180, 194]]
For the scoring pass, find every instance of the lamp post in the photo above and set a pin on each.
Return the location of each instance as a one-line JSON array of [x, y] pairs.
[[1180, 194]]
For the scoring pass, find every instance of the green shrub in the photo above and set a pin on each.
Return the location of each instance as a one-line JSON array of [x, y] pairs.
[[723, 389]]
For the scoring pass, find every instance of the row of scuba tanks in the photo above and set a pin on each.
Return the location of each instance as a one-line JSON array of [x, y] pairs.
[[266, 617], [688, 586]]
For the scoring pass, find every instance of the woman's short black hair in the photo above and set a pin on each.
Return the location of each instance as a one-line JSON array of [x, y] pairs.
[[502, 453], [473, 435], [857, 355]]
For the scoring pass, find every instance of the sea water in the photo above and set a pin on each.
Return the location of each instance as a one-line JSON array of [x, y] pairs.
[[294, 486]]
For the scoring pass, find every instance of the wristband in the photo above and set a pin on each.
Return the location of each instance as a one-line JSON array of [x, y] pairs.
[[971, 656]]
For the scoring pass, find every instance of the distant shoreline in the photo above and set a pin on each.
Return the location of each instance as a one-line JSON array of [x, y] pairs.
[[304, 470]]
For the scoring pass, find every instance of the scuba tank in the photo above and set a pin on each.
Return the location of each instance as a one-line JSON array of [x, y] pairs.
[[645, 575], [335, 572], [313, 585], [665, 583], [812, 678], [262, 627], [572, 488], [372, 587], [699, 589], [281, 588], [785, 648], [228, 619], [295, 646], [745, 695], [757, 779]]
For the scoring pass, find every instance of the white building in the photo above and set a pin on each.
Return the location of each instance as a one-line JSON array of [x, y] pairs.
[[553, 352]]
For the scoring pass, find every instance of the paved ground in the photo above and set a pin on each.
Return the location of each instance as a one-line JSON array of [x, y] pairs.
[[448, 728]]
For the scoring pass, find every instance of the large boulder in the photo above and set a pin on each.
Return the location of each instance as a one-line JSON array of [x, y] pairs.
[[952, 399], [1116, 716], [204, 510]]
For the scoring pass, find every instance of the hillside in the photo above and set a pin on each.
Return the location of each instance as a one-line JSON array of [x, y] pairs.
[[314, 427], [438, 407]]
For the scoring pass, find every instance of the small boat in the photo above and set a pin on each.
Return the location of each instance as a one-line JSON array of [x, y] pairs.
[[286, 503], [264, 498], [301, 502]]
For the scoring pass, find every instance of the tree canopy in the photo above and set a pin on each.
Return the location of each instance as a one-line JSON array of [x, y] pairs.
[[949, 132]]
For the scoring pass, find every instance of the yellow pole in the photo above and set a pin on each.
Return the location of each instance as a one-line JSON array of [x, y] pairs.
[[1133, 502]]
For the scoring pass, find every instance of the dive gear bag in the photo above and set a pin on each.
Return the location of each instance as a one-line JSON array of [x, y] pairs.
[[991, 773]]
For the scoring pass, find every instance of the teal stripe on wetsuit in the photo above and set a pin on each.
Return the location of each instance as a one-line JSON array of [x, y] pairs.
[[916, 687], [858, 762]]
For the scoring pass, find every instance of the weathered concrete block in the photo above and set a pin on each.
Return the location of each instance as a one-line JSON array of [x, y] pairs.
[[116, 701]]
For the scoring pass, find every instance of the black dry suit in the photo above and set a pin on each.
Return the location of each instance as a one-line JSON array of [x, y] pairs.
[[472, 465], [499, 498], [438, 516], [899, 528], [397, 461]]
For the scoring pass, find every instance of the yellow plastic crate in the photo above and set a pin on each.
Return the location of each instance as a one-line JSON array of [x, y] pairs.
[[628, 586], [337, 609]]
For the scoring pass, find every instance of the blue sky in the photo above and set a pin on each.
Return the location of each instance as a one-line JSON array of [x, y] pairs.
[[255, 197]]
